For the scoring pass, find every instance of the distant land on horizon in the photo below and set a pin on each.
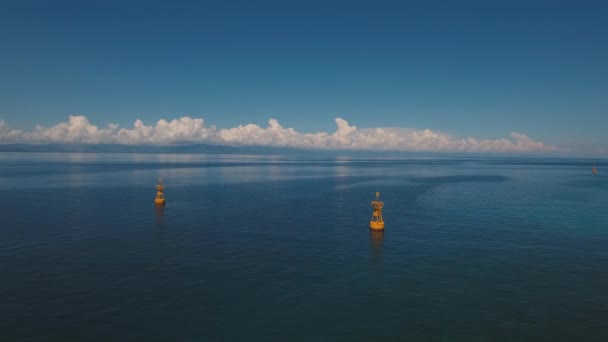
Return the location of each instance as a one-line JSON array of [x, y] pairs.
[[253, 150]]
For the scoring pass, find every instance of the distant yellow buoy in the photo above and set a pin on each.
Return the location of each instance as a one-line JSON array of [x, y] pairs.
[[594, 170], [377, 223], [160, 197]]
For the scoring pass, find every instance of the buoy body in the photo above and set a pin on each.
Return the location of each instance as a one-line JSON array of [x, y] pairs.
[[160, 196], [375, 225], [594, 170], [377, 222]]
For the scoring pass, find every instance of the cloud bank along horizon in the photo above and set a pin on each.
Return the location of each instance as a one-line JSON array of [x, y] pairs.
[[186, 130]]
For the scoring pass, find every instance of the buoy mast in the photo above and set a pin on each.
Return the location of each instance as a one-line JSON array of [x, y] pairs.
[[377, 223]]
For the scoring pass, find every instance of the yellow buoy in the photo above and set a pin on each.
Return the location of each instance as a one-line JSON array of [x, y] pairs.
[[160, 197], [594, 170], [377, 223]]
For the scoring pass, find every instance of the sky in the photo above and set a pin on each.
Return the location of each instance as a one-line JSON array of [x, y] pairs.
[[505, 76]]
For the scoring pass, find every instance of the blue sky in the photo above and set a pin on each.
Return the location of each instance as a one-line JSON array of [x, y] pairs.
[[469, 69]]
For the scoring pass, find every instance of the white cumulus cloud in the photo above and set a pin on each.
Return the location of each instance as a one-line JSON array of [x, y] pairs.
[[78, 129], [8, 134]]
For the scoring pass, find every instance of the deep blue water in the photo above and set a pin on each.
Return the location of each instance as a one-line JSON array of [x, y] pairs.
[[277, 248]]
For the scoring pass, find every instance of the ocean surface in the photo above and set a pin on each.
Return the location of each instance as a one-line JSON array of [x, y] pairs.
[[277, 248]]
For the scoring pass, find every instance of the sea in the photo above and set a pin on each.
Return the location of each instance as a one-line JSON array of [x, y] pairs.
[[278, 248]]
